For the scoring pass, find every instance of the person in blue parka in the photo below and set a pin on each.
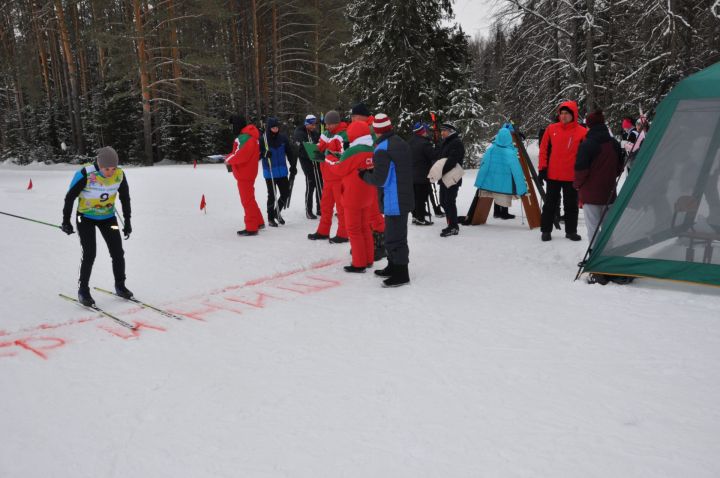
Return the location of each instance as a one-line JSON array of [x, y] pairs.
[[500, 173]]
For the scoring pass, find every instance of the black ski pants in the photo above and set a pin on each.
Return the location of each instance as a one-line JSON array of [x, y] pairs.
[[396, 245], [422, 191], [313, 184], [553, 190], [111, 234], [448, 198], [283, 186]]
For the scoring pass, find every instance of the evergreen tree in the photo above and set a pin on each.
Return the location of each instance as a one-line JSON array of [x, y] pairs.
[[401, 59]]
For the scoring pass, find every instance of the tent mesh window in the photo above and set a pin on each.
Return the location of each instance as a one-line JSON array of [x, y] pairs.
[[674, 213]]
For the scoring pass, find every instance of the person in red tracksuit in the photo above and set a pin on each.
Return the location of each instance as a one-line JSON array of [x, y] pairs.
[[244, 163], [360, 112], [358, 196], [331, 141], [558, 151]]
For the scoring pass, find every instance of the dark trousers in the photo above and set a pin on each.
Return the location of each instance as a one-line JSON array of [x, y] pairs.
[[283, 185], [111, 233], [552, 202], [448, 196], [421, 200], [396, 245], [313, 184]]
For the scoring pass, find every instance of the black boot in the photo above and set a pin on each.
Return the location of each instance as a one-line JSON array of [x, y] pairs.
[[84, 296], [315, 236], [450, 231], [438, 211], [310, 215], [338, 240], [280, 218], [356, 270], [573, 236], [272, 222], [399, 277], [245, 232], [379, 243], [387, 272], [123, 291]]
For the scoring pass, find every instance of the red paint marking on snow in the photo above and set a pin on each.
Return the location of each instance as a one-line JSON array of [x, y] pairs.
[[194, 314], [125, 333], [309, 288], [7, 353], [28, 344], [259, 302], [226, 308], [2, 332]]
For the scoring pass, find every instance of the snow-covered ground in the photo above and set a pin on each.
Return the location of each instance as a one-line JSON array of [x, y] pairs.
[[493, 363]]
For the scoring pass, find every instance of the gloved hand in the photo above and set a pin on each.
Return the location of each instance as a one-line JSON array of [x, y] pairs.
[[362, 173], [127, 230], [542, 175], [67, 228]]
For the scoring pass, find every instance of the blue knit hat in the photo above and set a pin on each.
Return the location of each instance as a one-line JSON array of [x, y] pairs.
[[419, 126]]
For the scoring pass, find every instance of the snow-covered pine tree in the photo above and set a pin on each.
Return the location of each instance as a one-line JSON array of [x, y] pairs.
[[466, 113], [401, 58]]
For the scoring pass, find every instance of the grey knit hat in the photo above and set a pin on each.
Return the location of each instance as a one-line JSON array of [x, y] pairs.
[[107, 157], [332, 117]]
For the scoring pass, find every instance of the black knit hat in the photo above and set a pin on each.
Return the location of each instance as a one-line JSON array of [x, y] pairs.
[[360, 109], [596, 117]]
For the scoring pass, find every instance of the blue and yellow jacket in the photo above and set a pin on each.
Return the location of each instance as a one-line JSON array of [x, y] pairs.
[[96, 194]]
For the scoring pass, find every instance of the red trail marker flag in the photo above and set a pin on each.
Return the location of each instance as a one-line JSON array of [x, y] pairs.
[[194, 163], [30, 184], [203, 204]]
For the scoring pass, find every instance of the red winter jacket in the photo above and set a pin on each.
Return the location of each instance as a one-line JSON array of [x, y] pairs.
[[245, 154], [563, 141], [357, 194], [331, 143]]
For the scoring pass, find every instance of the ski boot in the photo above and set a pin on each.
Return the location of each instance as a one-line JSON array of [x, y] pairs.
[[123, 291], [84, 296]]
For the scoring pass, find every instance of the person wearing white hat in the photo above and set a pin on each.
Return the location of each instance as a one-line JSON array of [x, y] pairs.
[[308, 133]]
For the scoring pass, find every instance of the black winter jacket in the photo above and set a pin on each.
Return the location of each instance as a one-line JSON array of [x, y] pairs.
[[393, 173], [423, 156], [453, 149], [302, 135]]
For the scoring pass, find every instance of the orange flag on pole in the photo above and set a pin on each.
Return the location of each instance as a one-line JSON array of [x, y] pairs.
[[203, 204], [30, 184]]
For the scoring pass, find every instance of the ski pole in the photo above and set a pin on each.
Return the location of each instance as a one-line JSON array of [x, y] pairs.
[[31, 220]]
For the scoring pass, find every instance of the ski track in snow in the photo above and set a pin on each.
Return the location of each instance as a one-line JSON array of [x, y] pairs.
[[491, 363]]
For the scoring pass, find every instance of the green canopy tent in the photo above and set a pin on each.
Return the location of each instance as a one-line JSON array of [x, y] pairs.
[[665, 223]]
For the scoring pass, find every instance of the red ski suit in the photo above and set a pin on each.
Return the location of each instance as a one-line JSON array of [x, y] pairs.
[[332, 185], [244, 163], [563, 140], [359, 198]]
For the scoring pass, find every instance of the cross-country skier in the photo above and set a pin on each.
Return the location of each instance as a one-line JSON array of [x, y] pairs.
[[96, 186]]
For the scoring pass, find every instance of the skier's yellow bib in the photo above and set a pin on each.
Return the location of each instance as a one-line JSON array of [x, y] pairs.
[[97, 200]]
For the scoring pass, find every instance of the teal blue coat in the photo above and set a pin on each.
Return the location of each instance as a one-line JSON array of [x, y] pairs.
[[500, 171]]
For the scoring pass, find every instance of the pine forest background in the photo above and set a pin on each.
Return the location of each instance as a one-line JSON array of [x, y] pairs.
[[158, 79]]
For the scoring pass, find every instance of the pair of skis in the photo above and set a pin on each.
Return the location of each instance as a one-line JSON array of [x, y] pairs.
[[118, 320]]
